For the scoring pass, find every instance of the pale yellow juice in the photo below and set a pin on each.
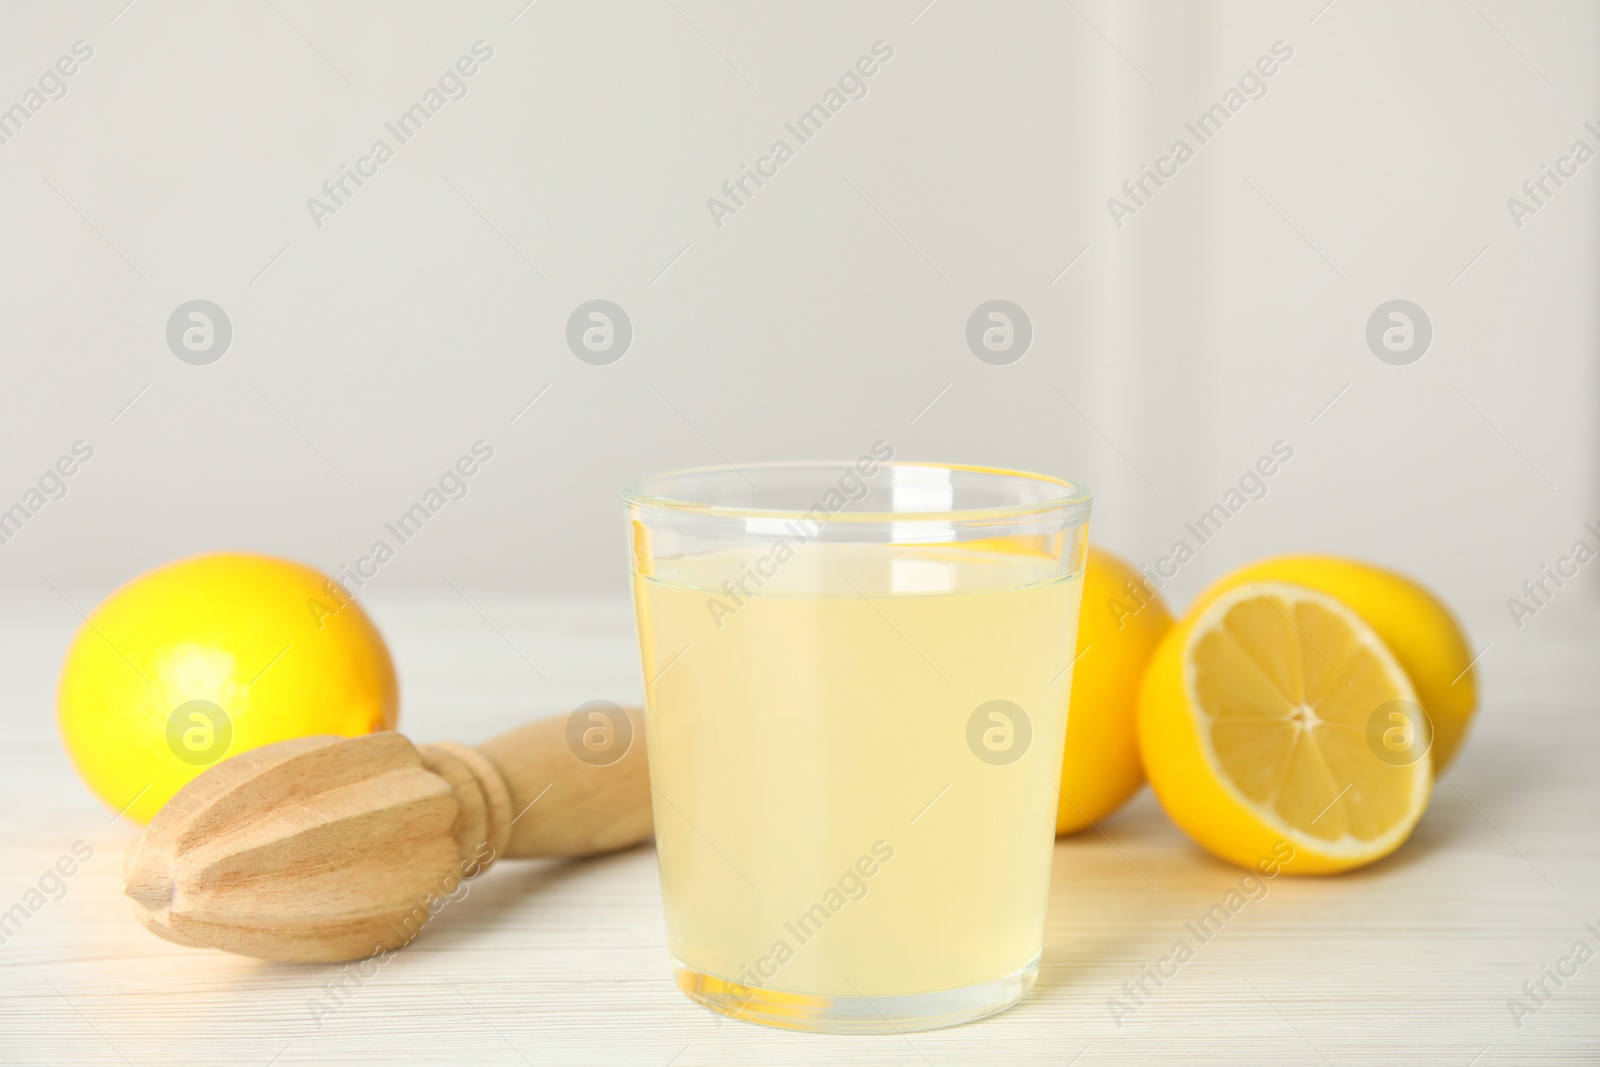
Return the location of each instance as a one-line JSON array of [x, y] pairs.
[[829, 817]]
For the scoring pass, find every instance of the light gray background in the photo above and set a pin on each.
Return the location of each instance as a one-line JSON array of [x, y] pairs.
[[369, 353]]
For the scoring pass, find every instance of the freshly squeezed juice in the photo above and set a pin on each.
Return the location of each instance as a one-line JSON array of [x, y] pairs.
[[854, 753]]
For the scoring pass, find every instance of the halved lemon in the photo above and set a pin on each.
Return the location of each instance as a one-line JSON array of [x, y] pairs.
[[1417, 627], [1279, 732]]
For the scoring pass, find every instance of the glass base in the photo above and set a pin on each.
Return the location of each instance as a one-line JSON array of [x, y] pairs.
[[826, 1014]]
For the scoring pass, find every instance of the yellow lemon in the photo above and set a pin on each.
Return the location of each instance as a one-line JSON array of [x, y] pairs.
[[208, 657], [1121, 622], [1418, 629], [1261, 723]]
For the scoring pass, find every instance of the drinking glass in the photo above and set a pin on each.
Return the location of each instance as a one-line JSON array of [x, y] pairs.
[[856, 679]]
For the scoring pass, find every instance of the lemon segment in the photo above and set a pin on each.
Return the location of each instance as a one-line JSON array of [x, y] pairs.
[[1254, 724]]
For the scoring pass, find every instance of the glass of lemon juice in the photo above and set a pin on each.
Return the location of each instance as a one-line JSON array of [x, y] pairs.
[[856, 682]]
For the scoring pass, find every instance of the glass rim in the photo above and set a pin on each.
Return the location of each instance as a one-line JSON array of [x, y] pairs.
[[1073, 503]]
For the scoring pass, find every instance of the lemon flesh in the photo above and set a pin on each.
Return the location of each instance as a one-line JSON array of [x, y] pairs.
[[1255, 722], [1426, 639]]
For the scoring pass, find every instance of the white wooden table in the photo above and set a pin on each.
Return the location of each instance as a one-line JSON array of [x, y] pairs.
[[1413, 960]]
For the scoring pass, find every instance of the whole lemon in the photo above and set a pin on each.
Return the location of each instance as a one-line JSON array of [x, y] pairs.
[[208, 657], [1421, 632], [1121, 622]]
